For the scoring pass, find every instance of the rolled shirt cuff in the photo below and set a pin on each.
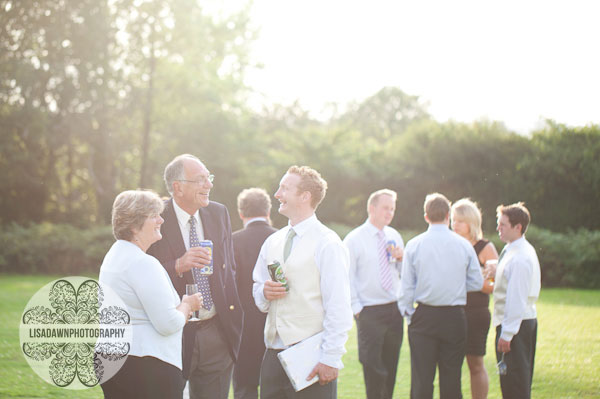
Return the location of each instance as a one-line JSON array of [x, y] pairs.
[[330, 360], [505, 335]]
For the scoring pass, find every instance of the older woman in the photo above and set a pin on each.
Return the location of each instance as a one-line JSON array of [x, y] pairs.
[[153, 367], [466, 221]]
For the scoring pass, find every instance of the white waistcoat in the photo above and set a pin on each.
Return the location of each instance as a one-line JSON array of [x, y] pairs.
[[501, 284], [300, 313]]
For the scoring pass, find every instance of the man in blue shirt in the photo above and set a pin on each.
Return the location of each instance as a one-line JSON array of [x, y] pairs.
[[438, 269], [374, 287]]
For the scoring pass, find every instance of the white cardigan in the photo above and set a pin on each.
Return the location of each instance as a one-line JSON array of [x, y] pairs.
[[145, 287]]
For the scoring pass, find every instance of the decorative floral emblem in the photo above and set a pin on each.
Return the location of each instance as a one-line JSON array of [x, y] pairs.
[[75, 333]]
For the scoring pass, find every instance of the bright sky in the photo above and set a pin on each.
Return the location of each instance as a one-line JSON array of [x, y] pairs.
[[513, 61]]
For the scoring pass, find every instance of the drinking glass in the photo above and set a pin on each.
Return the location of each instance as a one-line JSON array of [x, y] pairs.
[[191, 289], [490, 270], [502, 367]]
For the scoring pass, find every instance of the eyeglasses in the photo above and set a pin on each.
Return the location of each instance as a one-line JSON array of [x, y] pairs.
[[209, 178]]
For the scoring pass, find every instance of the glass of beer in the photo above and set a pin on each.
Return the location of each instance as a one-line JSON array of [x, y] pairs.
[[490, 269]]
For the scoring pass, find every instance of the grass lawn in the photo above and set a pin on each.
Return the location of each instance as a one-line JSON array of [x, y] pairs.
[[567, 360]]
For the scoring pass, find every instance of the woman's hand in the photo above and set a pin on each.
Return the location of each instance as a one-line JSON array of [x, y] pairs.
[[193, 301]]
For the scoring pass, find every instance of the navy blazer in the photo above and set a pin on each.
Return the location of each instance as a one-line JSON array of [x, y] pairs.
[[217, 228], [246, 244]]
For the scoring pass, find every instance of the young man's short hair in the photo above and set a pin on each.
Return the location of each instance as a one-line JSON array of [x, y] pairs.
[[374, 197], [436, 207], [311, 181], [516, 213]]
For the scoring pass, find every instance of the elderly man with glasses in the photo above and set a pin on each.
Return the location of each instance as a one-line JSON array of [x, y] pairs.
[[211, 344]]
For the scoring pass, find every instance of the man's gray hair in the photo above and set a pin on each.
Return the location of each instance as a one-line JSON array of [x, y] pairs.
[[174, 170]]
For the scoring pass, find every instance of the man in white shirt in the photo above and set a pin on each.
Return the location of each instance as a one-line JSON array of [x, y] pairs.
[[438, 269], [516, 290], [375, 258], [315, 263]]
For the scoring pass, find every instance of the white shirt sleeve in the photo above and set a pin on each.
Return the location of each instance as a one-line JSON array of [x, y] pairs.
[[260, 274], [154, 289], [519, 274], [332, 262]]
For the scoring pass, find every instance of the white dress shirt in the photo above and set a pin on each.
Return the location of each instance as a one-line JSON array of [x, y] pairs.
[[146, 289], [331, 259], [438, 269], [183, 218], [365, 277], [518, 283]]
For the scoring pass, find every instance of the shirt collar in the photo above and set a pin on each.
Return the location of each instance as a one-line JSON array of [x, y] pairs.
[[372, 229], [438, 227], [304, 225], [516, 242], [256, 219], [183, 217]]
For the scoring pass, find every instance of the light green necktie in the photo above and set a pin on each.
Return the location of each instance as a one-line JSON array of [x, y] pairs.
[[501, 254], [287, 248]]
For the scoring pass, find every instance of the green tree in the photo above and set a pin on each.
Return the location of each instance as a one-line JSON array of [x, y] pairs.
[[563, 177], [56, 83], [385, 114]]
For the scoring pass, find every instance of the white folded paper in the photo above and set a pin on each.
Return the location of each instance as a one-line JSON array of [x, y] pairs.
[[299, 360]]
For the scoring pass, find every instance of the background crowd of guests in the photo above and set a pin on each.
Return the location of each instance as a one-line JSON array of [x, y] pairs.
[[439, 284]]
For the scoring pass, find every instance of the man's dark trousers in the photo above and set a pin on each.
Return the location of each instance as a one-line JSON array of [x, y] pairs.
[[437, 337], [380, 330], [516, 384], [275, 384]]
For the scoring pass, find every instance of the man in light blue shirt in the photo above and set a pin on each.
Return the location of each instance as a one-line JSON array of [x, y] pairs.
[[374, 285], [438, 269]]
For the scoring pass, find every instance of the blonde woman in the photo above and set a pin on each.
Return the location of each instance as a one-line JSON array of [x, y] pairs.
[[466, 221]]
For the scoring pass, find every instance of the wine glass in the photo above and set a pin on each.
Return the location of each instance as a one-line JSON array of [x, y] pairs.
[[191, 289], [502, 367]]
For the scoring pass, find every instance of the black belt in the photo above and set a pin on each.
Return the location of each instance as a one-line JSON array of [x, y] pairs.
[[441, 307]]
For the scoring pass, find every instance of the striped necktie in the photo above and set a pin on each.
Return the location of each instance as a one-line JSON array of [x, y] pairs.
[[385, 271]]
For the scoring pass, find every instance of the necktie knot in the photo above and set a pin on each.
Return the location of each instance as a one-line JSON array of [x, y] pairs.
[[192, 221]]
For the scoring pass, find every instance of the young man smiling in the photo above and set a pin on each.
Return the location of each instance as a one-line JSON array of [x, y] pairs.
[[315, 263], [516, 290]]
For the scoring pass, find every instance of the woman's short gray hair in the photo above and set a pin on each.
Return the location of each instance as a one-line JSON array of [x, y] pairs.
[[131, 209]]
